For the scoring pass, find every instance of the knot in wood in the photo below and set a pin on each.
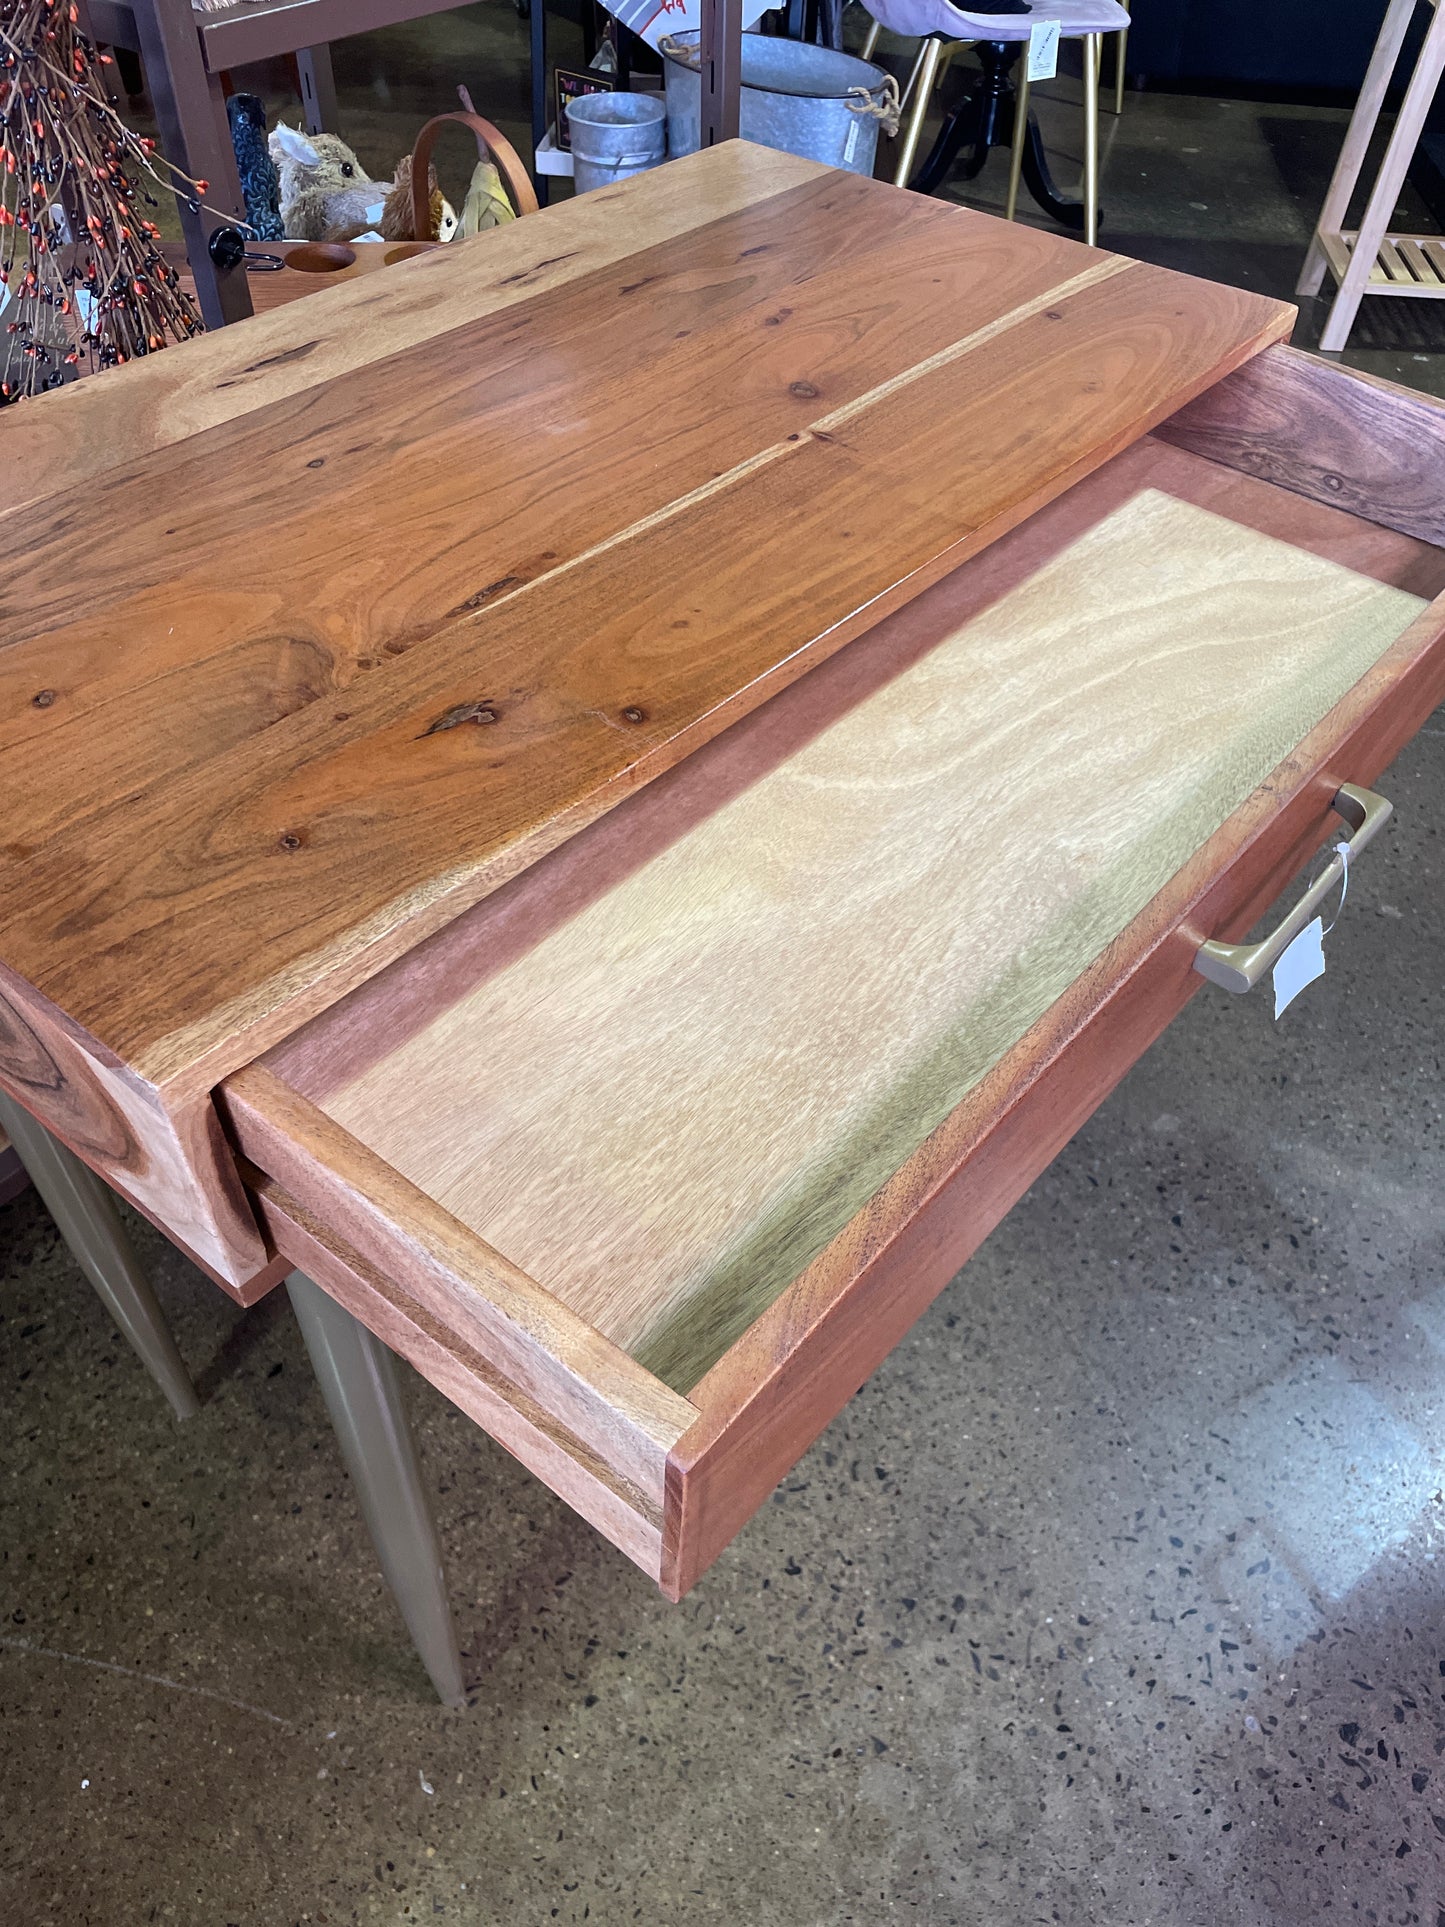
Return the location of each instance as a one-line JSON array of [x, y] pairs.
[[480, 712]]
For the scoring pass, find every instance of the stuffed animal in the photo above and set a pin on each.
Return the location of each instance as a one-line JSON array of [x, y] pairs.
[[259, 185], [326, 194], [396, 214]]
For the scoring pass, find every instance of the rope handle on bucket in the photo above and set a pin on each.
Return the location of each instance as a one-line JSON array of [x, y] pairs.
[[887, 110]]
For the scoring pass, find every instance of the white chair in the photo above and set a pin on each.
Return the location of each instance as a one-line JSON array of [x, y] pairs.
[[1121, 44], [941, 28]]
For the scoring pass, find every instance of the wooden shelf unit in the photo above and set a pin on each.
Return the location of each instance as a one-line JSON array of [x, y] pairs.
[[1372, 259]]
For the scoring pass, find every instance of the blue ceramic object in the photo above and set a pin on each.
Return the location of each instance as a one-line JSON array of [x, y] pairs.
[[259, 182]]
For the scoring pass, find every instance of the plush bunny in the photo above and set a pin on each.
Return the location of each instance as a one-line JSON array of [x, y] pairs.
[[326, 194]]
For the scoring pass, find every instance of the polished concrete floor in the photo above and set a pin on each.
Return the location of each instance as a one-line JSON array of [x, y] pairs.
[[1115, 1598]]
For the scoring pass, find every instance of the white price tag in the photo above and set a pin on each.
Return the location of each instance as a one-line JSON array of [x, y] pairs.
[[1043, 50], [1301, 963]]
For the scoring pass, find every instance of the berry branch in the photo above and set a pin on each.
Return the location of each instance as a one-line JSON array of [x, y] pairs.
[[83, 282]]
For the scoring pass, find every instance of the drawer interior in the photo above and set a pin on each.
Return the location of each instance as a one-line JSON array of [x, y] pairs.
[[663, 1068]]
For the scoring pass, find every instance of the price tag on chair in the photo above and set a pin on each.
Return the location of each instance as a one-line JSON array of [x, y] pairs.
[[1043, 61]]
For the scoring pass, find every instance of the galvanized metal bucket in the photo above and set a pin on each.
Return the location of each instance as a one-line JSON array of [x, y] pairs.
[[802, 99], [614, 136]]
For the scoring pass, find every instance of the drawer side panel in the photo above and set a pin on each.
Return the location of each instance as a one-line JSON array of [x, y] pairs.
[[1327, 433]]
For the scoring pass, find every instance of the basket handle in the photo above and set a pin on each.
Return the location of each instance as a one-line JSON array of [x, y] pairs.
[[492, 144]]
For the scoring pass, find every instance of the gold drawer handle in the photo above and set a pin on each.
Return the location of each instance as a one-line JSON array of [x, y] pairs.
[[1239, 966]]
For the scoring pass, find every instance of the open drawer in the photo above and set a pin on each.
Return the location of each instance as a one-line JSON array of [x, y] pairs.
[[648, 1158]]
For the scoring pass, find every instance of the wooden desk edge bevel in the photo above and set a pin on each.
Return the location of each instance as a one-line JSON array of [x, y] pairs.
[[781, 1383]]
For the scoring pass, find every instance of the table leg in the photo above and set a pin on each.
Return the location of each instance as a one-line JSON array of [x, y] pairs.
[[1121, 47], [537, 31], [1016, 147], [925, 77], [358, 1380], [85, 1215], [1091, 137], [318, 90], [195, 136]]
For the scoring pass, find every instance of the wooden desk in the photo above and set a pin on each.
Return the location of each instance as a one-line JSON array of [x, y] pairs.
[[615, 794]]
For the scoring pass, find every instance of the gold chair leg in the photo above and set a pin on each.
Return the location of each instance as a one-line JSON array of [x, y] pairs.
[[1091, 137], [870, 39], [1121, 41], [924, 76], [905, 98], [1021, 129]]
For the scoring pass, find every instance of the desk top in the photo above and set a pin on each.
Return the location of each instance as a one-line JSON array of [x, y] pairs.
[[325, 625]]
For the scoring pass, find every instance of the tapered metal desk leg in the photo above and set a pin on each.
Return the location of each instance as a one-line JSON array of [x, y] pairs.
[[358, 1380], [85, 1215]]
